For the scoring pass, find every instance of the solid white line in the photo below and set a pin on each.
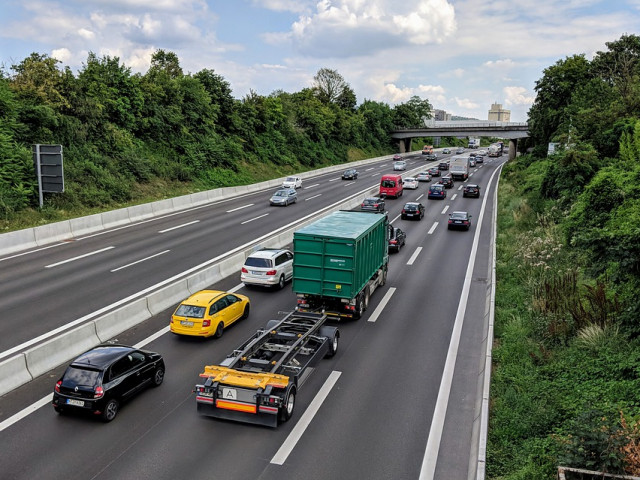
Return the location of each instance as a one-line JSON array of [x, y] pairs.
[[433, 227], [236, 288], [414, 256], [33, 251], [289, 444], [79, 257], [444, 210], [315, 196], [419, 197], [383, 303], [428, 468], [252, 219], [152, 337], [397, 217], [240, 208], [178, 226], [311, 186], [139, 261], [454, 196]]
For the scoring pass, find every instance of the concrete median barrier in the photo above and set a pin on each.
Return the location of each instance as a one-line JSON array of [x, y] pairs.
[[162, 207], [58, 350], [115, 218], [166, 297], [86, 225], [114, 323], [140, 212], [54, 232], [13, 373], [203, 279], [16, 241]]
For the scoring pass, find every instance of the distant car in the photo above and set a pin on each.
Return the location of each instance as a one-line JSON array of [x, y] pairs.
[[472, 161], [372, 204], [479, 159], [103, 378], [292, 182], [443, 166], [459, 150], [400, 165], [412, 210], [481, 153], [431, 157], [283, 197], [410, 183], [459, 220], [471, 190], [423, 177], [434, 171], [437, 190], [397, 156], [268, 267], [350, 174], [446, 151], [397, 239], [446, 181], [209, 312]]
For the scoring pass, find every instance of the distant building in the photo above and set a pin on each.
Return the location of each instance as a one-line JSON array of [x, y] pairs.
[[441, 116], [499, 114]]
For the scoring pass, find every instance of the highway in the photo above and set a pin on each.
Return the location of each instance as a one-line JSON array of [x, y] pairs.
[[375, 416]]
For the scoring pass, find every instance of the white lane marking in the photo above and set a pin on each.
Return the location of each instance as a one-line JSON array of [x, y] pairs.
[[444, 210], [139, 261], [311, 186], [414, 256], [471, 175], [334, 179], [236, 288], [240, 208], [315, 196], [432, 229], [454, 196], [178, 226], [296, 434], [460, 187], [368, 169], [419, 197], [33, 251], [383, 303], [350, 183], [79, 257], [254, 218], [428, 468], [375, 175], [47, 399], [397, 217]]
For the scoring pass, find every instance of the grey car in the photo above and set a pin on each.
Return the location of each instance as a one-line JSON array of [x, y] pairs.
[[284, 197]]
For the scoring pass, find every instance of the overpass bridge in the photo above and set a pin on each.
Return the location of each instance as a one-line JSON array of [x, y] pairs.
[[511, 131]]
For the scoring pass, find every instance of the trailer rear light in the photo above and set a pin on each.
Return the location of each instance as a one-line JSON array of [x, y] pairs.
[[57, 387], [244, 270], [271, 272], [99, 392]]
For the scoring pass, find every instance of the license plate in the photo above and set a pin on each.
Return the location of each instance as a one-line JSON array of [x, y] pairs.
[[253, 272], [458, 221], [229, 394], [77, 403], [186, 323]]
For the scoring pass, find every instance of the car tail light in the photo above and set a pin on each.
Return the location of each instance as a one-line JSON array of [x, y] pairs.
[[393, 242], [271, 272], [99, 392], [466, 222], [403, 211], [57, 387], [244, 270], [206, 323]]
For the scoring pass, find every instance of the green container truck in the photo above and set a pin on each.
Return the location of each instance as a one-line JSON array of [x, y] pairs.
[[339, 261]]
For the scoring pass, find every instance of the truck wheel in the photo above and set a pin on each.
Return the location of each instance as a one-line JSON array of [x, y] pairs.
[[286, 411], [384, 277], [367, 297], [333, 334], [359, 307]]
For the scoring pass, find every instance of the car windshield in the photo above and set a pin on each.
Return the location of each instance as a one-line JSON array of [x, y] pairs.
[[459, 216], [81, 377], [258, 262], [192, 311]]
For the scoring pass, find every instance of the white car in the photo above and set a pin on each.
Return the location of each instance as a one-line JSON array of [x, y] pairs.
[[400, 165], [410, 183], [269, 267], [292, 182]]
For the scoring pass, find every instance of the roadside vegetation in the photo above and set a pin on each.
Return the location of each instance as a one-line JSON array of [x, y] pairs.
[[566, 377]]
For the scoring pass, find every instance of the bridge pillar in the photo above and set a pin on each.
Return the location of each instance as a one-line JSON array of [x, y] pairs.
[[512, 148], [404, 145]]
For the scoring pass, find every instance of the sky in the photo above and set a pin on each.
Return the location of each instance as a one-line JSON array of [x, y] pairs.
[[460, 55]]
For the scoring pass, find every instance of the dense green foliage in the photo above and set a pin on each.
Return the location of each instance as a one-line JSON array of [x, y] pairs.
[[130, 138], [566, 381]]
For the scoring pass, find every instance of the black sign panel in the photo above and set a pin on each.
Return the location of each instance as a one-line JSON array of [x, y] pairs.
[[48, 162]]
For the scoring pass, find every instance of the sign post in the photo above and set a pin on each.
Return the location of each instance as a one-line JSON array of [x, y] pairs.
[[47, 160]]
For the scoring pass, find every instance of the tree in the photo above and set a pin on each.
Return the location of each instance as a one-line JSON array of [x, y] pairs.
[[412, 113], [330, 87], [165, 63]]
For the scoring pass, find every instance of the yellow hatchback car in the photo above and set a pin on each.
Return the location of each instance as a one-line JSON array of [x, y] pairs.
[[209, 312]]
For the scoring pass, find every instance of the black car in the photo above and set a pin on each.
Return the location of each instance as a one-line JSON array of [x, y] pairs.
[[431, 157], [434, 171], [350, 174], [459, 220], [372, 204], [397, 239], [443, 166], [412, 210], [446, 181], [99, 380], [471, 190], [437, 191]]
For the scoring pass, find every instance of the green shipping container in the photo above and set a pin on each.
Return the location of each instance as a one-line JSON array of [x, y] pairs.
[[337, 255]]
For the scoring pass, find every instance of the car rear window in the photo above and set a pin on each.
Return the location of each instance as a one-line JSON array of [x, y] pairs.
[[192, 311], [388, 183], [258, 262], [75, 376], [458, 216]]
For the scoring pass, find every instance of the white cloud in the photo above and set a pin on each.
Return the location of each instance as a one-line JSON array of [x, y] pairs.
[[518, 96], [296, 6], [86, 34], [466, 103], [62, 54]]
